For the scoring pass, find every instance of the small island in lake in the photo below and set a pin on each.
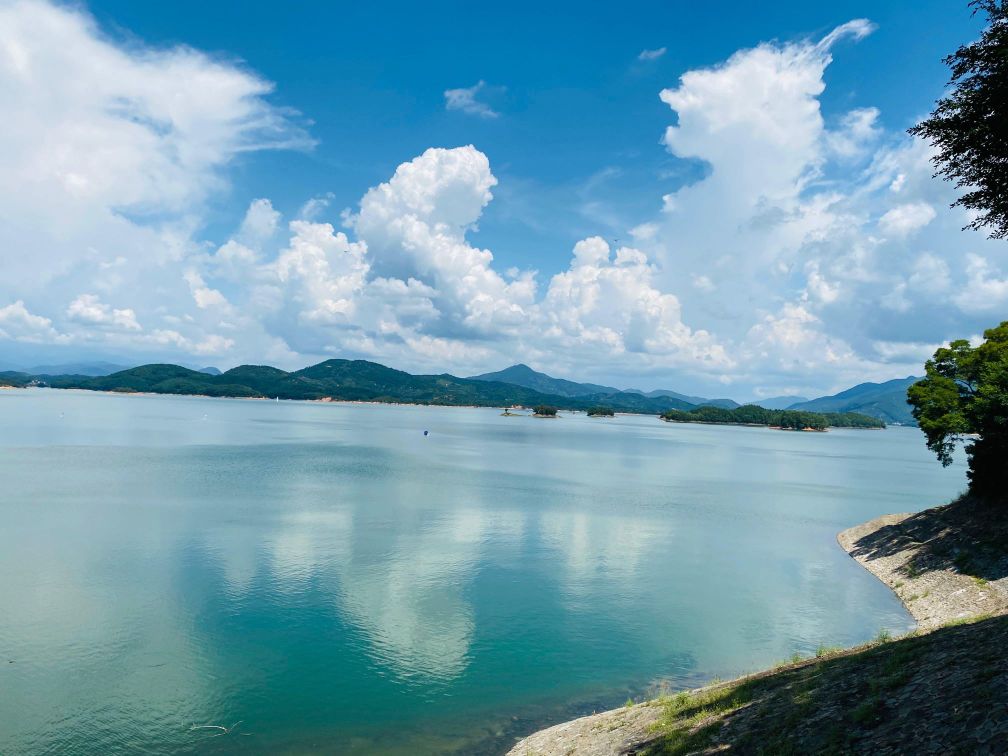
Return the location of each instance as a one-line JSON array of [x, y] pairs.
[[751, 414], [601, 412]]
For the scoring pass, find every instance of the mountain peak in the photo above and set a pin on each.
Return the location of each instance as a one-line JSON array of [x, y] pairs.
[[520, 368]]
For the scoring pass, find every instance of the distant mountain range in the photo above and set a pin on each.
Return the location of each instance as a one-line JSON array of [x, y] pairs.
[[886, 401], [523, 375], [94, 369], [77, 368], [779, 402], [360, 380], [347, 380]]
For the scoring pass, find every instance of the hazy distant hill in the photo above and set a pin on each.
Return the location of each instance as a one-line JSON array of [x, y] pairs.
[[883, 400], [94, 369], [779, 402], [523, 375], [76, 368], [698, 400], [351, 380]]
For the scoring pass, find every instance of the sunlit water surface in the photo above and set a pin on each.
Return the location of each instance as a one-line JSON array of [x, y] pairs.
[[332, 580]]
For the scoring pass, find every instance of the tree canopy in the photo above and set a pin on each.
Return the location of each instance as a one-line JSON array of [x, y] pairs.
[[965, 391], [969, 127]]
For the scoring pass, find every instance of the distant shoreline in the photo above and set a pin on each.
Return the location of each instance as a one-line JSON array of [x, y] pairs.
[[323, 400], [770, 427], [364, 381], [517, 407]]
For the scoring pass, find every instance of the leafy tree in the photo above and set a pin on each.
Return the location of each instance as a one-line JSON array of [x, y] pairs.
[[545, 411], [965, 391], [601, 412], [969, 127]]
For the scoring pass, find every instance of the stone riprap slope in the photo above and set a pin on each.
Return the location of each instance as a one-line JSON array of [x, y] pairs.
[[945, 564]]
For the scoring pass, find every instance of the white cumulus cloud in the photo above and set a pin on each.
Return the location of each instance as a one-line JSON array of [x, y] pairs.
[[109, 152], [18, 324], [87, 308], [903, 220], [987, 287]]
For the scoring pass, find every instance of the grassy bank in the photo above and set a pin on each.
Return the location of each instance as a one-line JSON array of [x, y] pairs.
[[941, 691]]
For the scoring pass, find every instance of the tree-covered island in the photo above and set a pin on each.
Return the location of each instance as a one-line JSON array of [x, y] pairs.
[[751, 414]]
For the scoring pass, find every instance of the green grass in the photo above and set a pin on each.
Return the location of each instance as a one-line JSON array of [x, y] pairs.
[[867, 712], [844, 700], [690, 720], [967, 620], [824, 651], [683, 714]]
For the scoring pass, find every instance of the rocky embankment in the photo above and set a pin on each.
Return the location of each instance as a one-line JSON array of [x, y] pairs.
[[942, 689], [945, 564]]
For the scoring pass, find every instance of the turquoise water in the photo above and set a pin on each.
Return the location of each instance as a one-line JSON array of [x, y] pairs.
[[333, 581]]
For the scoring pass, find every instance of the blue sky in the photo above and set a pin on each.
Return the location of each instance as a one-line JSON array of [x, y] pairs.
[[838, 270], [576, 149]]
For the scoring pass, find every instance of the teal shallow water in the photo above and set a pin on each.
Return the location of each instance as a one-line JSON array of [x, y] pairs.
[[337, 582]]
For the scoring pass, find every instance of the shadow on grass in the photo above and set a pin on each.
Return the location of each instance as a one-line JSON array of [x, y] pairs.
[[969, 536], [946, 691]]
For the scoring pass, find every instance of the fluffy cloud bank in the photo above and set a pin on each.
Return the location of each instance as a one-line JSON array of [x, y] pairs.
[[810, 255], [816, 248], [412, 285], [108, 154]]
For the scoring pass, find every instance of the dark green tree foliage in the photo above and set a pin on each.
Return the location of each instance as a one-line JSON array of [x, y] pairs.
[[601, 412], [969, 127], [545, 411], [965, 390], [751, 414], [14, 379]]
